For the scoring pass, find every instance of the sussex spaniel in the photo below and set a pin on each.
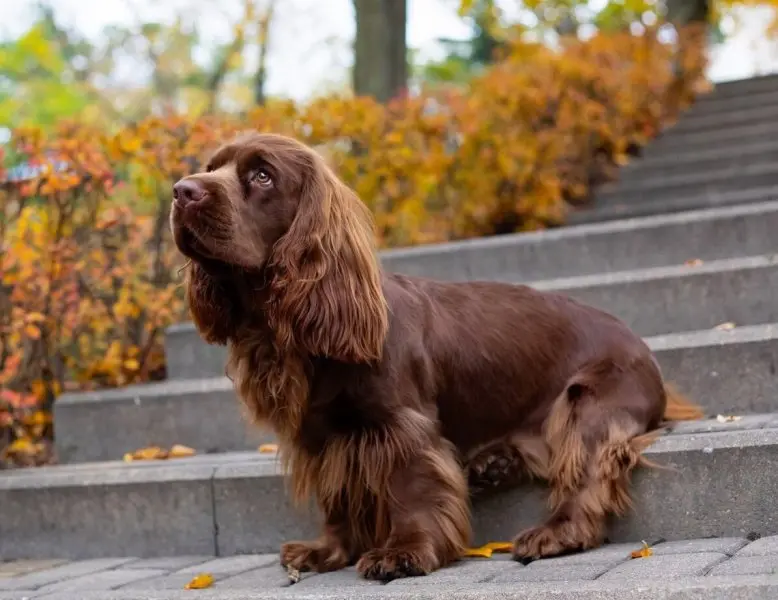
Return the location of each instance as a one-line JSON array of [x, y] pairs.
[[395, 398]]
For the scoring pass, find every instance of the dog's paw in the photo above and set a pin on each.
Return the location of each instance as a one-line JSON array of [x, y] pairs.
[[388, 564], [312, 556], [545, 542]]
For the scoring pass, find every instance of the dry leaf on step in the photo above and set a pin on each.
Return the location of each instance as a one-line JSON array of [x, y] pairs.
[[482, 552], [179, 451], [644, 552], [727, 418], [150, 453], [200, 582], [268, 448], [499, 547], [693, 262], [725, 326]]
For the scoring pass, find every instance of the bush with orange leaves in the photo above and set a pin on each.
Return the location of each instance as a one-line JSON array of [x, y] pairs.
[[89, 274]]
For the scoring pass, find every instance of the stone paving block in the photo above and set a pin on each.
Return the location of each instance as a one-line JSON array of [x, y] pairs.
[[537, 573], [269, 577], [22, 567], [761, 547], [464, 572], [727, 546], [347, 577], [230, 565], [668, 566], [104, 580], [609, 555], [61, 573], [169, 563], [748, 565]]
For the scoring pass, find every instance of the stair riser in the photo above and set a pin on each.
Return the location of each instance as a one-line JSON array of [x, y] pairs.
[[712, 104], [208, 421], [730, 378], [671, 144], [684, 188], [694, 123], [643, 172], [687, 302], [723, 485]]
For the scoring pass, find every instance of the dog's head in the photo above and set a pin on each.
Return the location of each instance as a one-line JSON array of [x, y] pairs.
[[267, 208]]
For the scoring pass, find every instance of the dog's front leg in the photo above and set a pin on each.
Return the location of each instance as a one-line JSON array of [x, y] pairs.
[[331, 552], [428, 512]]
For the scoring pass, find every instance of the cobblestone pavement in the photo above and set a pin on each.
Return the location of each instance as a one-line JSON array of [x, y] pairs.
[[708, 568]]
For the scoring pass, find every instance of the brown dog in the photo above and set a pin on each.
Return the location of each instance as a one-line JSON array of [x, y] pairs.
[[388, 392]]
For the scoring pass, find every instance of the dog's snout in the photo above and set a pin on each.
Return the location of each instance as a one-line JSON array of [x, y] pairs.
[[187, 191]]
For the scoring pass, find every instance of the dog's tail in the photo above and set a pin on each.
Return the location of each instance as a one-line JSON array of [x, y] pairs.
[[679, 407]]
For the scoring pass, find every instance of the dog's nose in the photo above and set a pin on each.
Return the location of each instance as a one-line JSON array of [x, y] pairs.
[[187, 191]]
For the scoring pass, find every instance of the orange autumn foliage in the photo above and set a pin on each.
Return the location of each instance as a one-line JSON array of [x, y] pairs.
[[89, 275]]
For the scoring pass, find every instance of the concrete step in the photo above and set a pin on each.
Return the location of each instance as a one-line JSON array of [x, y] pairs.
[[653, 301], [727, 372], [674, 299], [668, 205], [706, 162], [201, 413], [733, 179], [744, 87], [654, 241], [690, 121], [670, 143], [711, 568], [721, 484], [713, 104]]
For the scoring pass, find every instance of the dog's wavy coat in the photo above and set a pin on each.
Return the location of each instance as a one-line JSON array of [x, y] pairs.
[[396, 398]]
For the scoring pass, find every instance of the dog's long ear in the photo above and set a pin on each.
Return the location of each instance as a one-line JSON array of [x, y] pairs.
[[327, 298], [213, 304]]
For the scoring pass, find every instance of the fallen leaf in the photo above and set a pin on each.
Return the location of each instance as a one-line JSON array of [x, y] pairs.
[[482, 552], [179, 451], [200, 582], [150, 453], [644, 552], [499, 547], [693, 262], [725, 326], [268, 448], [727, 418]]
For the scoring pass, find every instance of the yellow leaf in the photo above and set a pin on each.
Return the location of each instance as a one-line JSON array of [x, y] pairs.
[[268, 448], [131, 364], [35, 317], [200, 582], [644, 552], [725, 326], [32, 331], [179, 451], [150, 453], [693, 262], [482, 552], [500, 547]]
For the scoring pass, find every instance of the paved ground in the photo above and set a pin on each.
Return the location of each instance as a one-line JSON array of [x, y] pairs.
[[709, 568]]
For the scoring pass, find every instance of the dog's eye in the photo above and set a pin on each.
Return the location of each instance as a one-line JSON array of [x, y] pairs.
[[262, 177]]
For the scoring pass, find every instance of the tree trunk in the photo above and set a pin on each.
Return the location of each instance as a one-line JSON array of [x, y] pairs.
[[685, 12], [380, 50]]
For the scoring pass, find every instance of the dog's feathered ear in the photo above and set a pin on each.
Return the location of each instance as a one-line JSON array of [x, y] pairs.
[[213, 304], [327, 298]]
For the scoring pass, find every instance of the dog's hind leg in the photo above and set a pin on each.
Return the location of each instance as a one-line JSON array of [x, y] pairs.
[[506, 463], [596, 432]]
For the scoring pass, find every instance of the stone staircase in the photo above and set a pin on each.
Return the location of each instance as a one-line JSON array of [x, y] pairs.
[[681, 247]]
